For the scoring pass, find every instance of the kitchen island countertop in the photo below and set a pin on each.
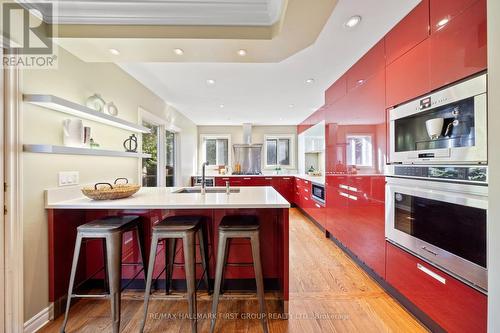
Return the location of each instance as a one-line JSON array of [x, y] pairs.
[[166, 198]]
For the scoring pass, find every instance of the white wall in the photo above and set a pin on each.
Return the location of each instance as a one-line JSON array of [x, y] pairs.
[[75, 80], [494, 166], [236, 133]]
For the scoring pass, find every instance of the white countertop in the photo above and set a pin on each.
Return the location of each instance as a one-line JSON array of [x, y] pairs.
[[165, 198]]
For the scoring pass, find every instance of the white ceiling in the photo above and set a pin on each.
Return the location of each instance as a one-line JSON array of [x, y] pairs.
[[262, 93], [163, 12]]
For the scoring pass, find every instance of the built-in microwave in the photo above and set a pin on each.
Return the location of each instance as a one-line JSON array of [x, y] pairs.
[[446, 127], [318, 193], [442, 219]]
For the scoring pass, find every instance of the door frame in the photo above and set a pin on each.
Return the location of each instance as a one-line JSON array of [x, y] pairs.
[[12, 256]]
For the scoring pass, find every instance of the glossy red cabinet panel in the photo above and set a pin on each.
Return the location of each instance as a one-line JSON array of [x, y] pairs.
[[336, 90], [409, 76], [452, 304], [441, 10], [337, 217], [367, 66], [458, 49], [408, 33]]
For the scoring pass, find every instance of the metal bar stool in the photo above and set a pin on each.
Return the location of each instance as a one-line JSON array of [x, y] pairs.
[[239, 226], [171, 229], [110, 230]]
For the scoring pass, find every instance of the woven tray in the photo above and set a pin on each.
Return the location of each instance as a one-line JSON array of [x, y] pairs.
[[108, 191]]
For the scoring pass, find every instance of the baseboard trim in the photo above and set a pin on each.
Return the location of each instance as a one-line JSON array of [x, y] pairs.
[[39, 320]]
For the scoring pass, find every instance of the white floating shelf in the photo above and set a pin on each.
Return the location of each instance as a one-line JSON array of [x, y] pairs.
[[62, 105], [63, 150]]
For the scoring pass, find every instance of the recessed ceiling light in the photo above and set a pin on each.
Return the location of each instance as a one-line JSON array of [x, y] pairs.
[[210, 82], [353, 21], [361, 81], [443, 22], [310, 81], [179, 51], [222, 106], [242, 52], [291, 105], [114, 51]]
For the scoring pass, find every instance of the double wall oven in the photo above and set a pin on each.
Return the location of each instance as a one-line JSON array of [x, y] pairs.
[[437, 184]]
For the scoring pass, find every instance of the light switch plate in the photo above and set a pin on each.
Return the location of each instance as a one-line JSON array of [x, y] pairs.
[[68, 178]]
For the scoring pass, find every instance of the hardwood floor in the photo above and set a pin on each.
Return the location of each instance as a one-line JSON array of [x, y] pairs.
[[328, 293]]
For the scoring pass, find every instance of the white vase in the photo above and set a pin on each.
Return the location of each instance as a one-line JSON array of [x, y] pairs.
[[73, 133]]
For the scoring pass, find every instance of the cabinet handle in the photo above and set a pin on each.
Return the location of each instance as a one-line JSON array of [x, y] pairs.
[[225, 178], [431, 273], [286, 178], [317, 205], [246, 178], [269, 179], [306, 198], [306, 190], [427, 250]]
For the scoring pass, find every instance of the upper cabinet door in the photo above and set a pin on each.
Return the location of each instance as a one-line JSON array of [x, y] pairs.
[[408, 33], [442, 11], [458, 48], [367, 66], [336, 90], [409, 76]]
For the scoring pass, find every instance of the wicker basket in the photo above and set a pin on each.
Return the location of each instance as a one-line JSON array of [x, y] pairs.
[[107, 191]]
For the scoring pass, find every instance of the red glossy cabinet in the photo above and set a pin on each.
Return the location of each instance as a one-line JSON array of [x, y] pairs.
[[409, 76], [366, 67], [408, 33], [446, 10], [458, 49], [453, 305], [336, 90]]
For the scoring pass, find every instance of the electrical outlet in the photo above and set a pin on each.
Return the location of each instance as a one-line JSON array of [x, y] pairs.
[[67, 178]]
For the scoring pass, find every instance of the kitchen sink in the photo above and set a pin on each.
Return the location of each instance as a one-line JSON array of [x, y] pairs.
[[207, 190]]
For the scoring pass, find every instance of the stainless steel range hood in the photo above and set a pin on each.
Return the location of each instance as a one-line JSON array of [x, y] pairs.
[[247, 156]]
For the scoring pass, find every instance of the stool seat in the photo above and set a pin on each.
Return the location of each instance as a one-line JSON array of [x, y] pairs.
[[178, 223], [110, 223], [239, 223]]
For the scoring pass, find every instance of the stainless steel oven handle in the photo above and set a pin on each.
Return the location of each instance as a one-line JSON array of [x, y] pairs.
[[430, 251], [431, 273]]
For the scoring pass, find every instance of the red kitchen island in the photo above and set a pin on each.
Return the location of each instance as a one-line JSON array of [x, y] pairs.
[[67, 208]]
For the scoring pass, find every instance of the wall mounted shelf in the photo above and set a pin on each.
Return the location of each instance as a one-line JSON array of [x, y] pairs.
[[63, 150], [62, 105]]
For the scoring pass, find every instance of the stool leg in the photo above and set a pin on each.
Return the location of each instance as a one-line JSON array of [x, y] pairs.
[[226, 254], [140, 242], [221, 253], [254, 239], [74, 265], [105, 261], [170, 249], [189, 246], [149, 279], [204, 258], [114, 255]]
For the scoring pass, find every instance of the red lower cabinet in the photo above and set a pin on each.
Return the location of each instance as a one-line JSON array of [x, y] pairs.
[[453, 305]]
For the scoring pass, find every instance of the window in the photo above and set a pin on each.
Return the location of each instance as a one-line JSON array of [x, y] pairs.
[[216, 149], [278, 151], [161, 143], [360, 150]]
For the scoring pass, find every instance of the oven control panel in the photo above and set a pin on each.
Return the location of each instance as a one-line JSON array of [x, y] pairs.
[[454, 173]]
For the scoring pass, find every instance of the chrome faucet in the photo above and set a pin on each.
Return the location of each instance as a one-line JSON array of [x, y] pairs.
[[203, 166]]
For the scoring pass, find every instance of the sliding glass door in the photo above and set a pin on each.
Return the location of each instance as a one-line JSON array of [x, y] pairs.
[[161, 168], [150, 145], [170, 151]]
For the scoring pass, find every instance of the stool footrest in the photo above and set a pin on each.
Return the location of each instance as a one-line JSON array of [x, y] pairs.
[[89, 295], [239, 264]]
